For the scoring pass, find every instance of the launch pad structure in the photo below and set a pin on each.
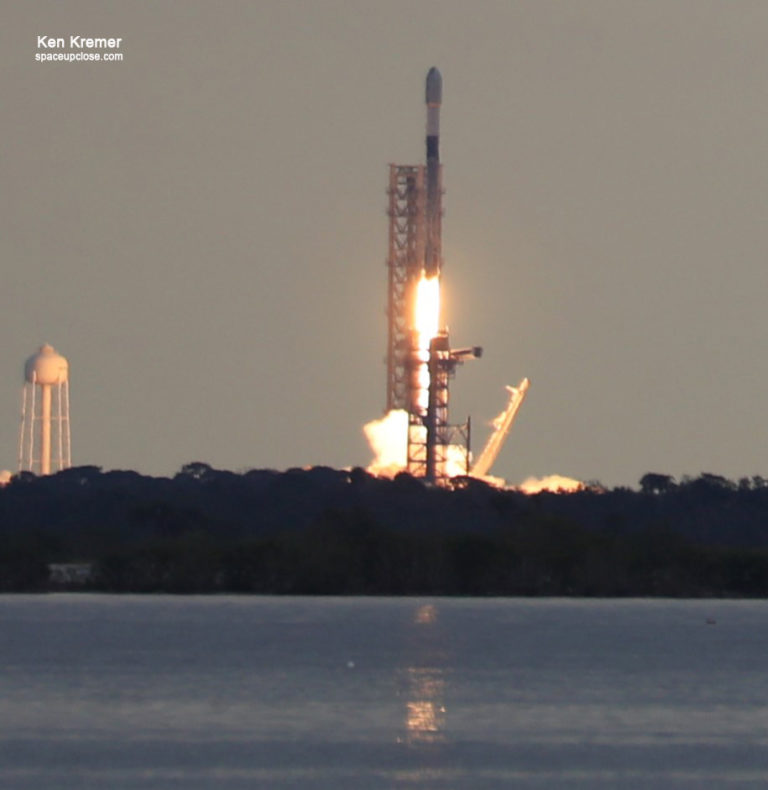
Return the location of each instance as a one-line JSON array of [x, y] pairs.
[[415, 252], [405, 265], [418, 375]]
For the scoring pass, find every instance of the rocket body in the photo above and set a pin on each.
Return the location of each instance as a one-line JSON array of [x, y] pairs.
[[433, 258], [434, 98]]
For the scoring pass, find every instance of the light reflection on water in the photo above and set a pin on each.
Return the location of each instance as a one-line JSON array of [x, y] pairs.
[[425, 714], [426, 614], [425, 709]]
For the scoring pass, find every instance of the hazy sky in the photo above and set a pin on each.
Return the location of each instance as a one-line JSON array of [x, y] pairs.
[[201, 228]]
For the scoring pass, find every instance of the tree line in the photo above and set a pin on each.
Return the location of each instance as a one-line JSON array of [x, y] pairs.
[[326, 531]]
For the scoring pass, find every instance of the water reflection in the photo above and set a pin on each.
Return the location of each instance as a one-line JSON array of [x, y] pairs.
[[426, 614], [425, 709]]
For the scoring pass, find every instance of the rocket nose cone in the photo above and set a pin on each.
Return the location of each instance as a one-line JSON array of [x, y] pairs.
[[434, 87]]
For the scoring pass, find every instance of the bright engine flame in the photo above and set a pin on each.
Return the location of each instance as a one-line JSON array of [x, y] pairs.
[[426, 319]]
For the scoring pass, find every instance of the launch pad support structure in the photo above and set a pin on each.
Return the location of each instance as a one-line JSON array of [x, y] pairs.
[[405, 264], [418, 374], [415, 252]]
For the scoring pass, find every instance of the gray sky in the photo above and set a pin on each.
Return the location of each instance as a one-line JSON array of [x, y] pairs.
[[201, 228]]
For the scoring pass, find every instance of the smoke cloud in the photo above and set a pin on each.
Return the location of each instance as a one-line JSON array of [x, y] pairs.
[[388, 438], [554, 483]]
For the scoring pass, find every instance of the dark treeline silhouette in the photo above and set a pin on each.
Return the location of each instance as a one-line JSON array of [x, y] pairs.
[[323, 531]]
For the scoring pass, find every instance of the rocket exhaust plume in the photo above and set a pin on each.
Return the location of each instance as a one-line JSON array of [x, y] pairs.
[[388, 439], [553, 483], [426, 320]]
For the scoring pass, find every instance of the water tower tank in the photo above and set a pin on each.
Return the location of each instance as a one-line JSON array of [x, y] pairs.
[[46, 367]]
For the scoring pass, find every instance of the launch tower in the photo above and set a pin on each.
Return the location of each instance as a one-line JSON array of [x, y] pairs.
[[419, 368]]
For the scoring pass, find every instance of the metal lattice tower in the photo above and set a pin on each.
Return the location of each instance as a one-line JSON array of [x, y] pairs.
[[441, 435], [407, 243], [405, 263], [417, 378], [439, 432], [429, 432]]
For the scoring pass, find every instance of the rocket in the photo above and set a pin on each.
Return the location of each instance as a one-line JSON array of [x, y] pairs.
[[434, 98]]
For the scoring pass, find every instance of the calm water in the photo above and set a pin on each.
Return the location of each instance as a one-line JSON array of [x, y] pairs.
[[241, 692]]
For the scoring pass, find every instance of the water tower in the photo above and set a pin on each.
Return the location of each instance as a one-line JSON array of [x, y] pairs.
[[44, 440]]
